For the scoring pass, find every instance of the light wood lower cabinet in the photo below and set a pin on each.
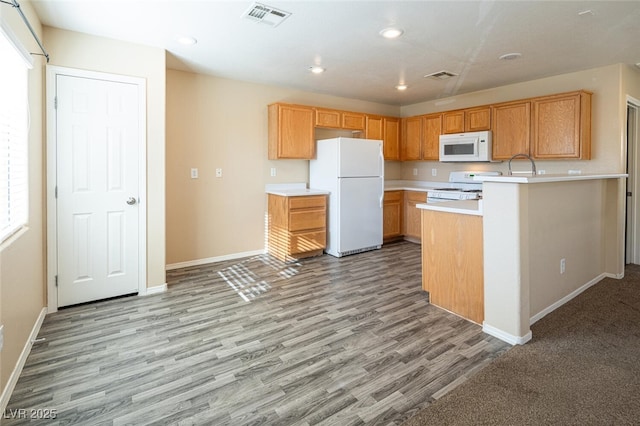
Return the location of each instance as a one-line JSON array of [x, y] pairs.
[[297, 226], [412, 214], [453, 263], [392, 215]]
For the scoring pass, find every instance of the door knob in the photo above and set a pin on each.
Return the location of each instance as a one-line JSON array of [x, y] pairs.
[[131, 201]]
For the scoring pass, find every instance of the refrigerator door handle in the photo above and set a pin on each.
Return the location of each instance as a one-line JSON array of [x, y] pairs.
[[381, 199]]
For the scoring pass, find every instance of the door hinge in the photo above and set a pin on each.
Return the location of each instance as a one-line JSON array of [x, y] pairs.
[[56, 192], [56, 281], [55, 102]]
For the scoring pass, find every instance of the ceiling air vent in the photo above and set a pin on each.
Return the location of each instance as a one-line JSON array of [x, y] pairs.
[[440, 75], [265, 14]]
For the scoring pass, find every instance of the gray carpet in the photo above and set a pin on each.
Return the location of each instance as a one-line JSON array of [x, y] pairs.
[[582, 367]]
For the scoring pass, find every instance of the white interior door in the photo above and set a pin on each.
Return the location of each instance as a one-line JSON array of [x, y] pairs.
[[97, 134]]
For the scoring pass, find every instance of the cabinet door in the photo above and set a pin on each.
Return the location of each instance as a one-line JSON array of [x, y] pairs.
[[328, 118], [511, 129], [375, 127], [391, 144], [412, 221], [291, 132], [411, 139], [353, 121], [432, 128], [453, 122], [392, 215], [477, 119], [562, 126]]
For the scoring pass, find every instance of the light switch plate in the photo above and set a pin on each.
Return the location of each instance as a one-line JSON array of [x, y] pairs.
[[218, 173], [194, 173], [1, 337]]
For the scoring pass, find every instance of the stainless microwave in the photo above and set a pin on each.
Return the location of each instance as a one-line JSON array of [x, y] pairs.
[[466, 147]]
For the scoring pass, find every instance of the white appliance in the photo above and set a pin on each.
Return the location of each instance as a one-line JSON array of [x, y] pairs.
[[352, 171], [462, 187], [469, 147]]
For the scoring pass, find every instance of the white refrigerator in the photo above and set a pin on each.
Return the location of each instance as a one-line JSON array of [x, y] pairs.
[[352, 170]]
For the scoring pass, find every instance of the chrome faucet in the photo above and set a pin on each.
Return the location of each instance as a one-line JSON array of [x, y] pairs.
[[533, 164]]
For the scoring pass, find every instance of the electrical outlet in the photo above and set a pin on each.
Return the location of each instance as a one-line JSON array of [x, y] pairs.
[[194, 173], [218, 173], [434, 172], [273, 171], [541, 172], [415, 172], [563, 265], [574, 172]]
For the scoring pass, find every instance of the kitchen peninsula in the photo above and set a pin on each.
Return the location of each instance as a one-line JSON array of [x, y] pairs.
[[545, 239]]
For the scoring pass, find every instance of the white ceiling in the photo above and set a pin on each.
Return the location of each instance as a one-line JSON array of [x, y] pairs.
[[463, 37]]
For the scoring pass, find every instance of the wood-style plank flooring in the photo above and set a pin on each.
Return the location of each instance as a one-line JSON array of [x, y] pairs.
[[322, 341]]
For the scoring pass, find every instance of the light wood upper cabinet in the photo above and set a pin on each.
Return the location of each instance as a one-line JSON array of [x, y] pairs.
[[466, 120], [411, 139], [421, 137], [375, 127], [453, 122], [353, 121], [328, 118], [291, 132], [336, 119], [562, 126], [511, 129], [431, 131], [391, 140], [477, 119]]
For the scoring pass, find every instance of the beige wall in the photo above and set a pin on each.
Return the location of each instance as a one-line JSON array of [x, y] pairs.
[[607, 119], [22, 289], [219, 123], [76, 50]]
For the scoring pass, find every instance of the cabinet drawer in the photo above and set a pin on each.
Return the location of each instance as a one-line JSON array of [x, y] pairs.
[[302, 242], [307, 219], [307, 202], [416, 196], [390, 196]]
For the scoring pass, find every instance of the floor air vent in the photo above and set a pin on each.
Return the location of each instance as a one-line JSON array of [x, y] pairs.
[[265, 14], [440, 75]]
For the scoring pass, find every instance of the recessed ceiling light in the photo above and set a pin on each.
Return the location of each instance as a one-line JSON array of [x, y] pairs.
[[510, 56], [391, 32], [187, 41], [317, 70], [401, 87]]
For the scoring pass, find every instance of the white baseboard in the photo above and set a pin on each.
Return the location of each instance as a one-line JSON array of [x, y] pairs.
[[154, 290], [15, 374], [506, 337], [199, 262], [565, 299]]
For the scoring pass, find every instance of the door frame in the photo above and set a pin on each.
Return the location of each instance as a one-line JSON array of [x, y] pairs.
[[52, 233], [632, 211]]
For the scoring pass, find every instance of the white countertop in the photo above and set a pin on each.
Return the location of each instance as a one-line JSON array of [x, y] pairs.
[[471, 207], [297, 192], [548, 178], [413, 185], [293, 190]]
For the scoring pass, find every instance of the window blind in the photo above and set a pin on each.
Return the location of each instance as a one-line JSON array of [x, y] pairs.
[[14, 172]]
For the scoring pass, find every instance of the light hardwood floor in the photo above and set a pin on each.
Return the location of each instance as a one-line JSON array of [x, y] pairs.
[[255, 341]]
